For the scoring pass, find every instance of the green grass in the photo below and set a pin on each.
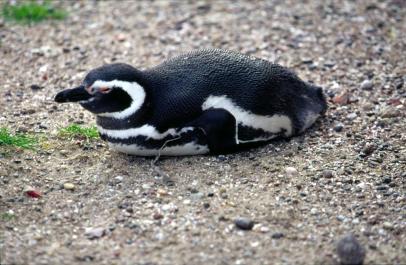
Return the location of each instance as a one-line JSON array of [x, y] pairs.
[[75, 131], [7, 216], [16, 140], [28, 12]]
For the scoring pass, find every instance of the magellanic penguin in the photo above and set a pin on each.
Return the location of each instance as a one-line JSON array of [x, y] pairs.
[[205, 101]]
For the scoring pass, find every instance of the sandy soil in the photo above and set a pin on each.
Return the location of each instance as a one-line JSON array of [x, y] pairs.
[[351, 165]]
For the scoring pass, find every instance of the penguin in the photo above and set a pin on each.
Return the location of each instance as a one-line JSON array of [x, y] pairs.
[[205, 101]]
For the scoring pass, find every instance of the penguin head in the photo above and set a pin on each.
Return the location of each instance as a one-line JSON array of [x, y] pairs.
[[111, 90]]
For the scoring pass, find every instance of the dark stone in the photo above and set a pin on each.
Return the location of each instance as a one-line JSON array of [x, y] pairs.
[[36, 87], [86, 258], [399, 83], [277, 235], [368, 149], [382, 187], [329, 64], [387, 180], [392, 184], [350, 251], [244, 223], [338, 127], [328, 174], [193, 190], [307, 61]]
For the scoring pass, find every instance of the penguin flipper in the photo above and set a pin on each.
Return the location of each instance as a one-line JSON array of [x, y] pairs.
[[220, 129]]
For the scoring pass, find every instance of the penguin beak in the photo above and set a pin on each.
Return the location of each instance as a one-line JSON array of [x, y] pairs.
[[73, 95]]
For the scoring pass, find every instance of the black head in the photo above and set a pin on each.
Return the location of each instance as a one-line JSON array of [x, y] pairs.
[[110, 89]]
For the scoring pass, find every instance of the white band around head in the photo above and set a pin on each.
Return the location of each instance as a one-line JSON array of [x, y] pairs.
[[133, 89]]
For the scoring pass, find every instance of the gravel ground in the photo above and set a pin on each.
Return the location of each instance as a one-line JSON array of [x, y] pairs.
[[349, 170]]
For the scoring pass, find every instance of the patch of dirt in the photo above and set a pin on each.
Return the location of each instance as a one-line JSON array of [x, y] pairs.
[[350, 166]]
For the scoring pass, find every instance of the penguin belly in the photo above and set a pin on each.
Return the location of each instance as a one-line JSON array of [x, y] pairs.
[[147, 141]]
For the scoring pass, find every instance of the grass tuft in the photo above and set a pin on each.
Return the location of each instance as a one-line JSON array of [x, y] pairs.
[[17, 140], [7, 216], [32, 12], [75, 131]]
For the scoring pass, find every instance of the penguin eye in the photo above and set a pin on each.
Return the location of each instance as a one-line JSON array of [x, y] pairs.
[[90, 90], [104, 90]]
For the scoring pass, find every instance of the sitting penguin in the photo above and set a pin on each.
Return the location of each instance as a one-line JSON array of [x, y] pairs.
[[205, 101]]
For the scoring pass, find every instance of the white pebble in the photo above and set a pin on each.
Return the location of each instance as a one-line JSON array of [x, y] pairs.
[[367, 85], [291, 172], [119, 178]]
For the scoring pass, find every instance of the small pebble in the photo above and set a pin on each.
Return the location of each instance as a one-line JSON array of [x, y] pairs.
[[264, 229], [350, 251], [367, 85], [338, 127], [387, 226], [94, 233], [119, 178], [342, 99], [387, 180], [368, 106], [328, 174], [121, 37], [158, 216], [68, 186], [291, 172], [362, 185], [329, 63], [196, 196], [340, 218], [35, 87], [277, 235], [369, 149], [390, 112], [307, 60], [382, 187], [244, 223], [352, 116], [31, 192], [162, 192], [146, 186]]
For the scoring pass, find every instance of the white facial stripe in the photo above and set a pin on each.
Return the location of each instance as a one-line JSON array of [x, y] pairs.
[[145, 130], [186, 149], [136, 92], [272, 124]]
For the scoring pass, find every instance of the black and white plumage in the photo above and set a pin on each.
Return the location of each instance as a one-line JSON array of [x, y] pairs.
[[204, 101]]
